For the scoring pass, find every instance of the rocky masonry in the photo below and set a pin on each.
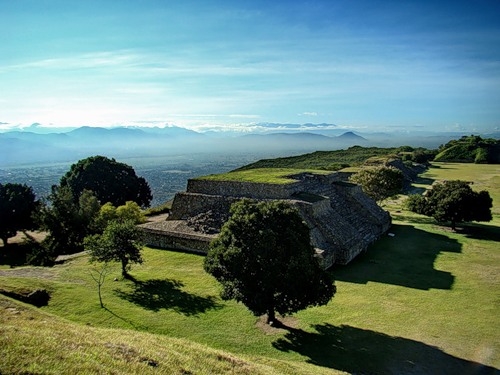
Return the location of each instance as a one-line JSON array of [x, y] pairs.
[[343, 221]]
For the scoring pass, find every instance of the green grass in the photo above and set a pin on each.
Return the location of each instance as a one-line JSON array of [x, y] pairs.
[[483, 176], [469, 150], [34, 342], [423, 301], [158, 210], [325, 160], [261, 175]]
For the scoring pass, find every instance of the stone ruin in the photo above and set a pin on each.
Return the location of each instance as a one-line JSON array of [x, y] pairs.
[[343, 221]]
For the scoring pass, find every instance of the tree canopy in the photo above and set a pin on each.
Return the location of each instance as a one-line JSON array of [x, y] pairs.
[[130, 211], [379, 182], [67, 221], [17, 207], [454, 202], [120, 242], [109, 180], [263, 258]]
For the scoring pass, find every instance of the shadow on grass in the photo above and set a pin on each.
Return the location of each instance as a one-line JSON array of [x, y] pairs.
[[356, 350], [480, 232], [415, 190], [424, 181], [413, 218], [14, 255], [407, 259], [123, 319], [442, 166], [157, 294]]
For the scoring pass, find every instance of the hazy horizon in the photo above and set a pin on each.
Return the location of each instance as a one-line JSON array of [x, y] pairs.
[[367, 66]]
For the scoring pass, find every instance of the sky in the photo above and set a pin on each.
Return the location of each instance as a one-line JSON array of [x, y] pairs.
[[205, 65]]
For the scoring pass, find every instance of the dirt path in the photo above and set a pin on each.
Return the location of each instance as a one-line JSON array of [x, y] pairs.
[[30, 272], [20, 237]]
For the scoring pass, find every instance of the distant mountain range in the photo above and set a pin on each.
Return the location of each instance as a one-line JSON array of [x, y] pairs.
[[36, 145]]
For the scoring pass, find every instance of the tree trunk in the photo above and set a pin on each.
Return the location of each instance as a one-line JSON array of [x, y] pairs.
[[99, 291], [271, 315], [124, 268], [453, 225]]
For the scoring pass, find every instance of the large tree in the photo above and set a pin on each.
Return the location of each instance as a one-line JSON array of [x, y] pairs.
[[454, 202], [120, 242], [67, 221], [263, 258], [17, 206], [110, 181], [379, 182]]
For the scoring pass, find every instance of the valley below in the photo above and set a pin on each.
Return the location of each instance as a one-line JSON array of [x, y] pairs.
[[165, 175]]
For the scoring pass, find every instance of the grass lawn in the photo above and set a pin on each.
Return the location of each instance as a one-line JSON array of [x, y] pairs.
[[483, 176], [262, 175], [424, 301]]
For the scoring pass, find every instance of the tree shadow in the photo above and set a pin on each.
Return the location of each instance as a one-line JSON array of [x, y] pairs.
[[415, 190], [14, 254], [356, 350], [480, 232], [424, 180], [442, 166], [157, 294], [407, 259], [412, 189], [413, 218], [135, 326]]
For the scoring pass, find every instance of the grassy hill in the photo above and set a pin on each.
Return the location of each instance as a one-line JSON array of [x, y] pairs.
[[470, 149], [423, 301], [35, 342], [325, 160]]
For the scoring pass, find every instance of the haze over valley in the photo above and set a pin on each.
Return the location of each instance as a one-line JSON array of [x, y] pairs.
[[38, 144], [167, 156]]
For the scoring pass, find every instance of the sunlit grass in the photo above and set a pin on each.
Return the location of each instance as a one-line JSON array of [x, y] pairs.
[[38, 343], [483, 177], [262, 175], [422, 301]]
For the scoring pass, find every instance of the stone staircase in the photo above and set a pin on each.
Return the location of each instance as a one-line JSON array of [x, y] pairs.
[[343, 221]]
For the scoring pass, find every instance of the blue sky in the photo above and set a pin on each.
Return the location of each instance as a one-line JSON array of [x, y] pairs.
[[365, 65]]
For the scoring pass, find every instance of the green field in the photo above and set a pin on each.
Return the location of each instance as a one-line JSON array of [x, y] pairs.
[[326, 160], [423, 301], [262, 175]]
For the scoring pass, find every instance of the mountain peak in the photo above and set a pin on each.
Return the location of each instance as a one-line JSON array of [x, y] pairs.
[[351, 136]]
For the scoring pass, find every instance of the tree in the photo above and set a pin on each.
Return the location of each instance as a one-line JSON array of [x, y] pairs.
[[120, 242], [18, 204], [263, 258], [452, 201], [67, 221], [99, 276], [470, 149], [379, 182], [130, 211], [110, 181]]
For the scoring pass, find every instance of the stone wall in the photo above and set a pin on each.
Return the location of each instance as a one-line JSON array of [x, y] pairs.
[[186, 205], [242, 189], [343, 221], [304, 182], [164, 239]]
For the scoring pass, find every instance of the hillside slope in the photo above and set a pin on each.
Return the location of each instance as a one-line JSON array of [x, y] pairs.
[[326, 160], [470, 149], [33, 341]]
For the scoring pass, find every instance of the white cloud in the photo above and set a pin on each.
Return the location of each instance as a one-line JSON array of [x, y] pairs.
[[80, 61]]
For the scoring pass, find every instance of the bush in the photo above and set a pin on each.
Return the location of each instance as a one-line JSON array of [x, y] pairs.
[[39, 254]]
